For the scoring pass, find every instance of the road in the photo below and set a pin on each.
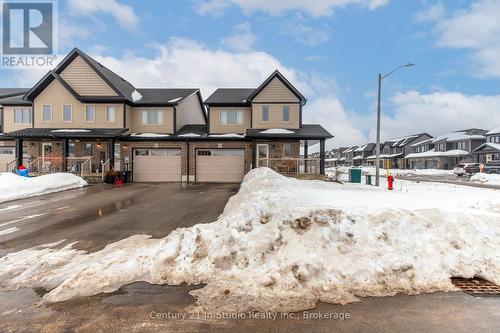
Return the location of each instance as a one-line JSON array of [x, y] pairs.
[[98, 215]]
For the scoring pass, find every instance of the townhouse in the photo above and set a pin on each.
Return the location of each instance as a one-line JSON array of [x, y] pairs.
[[347, 156], [489, 151], [82, 117], [333, 159], [448, 149], [361, 153]]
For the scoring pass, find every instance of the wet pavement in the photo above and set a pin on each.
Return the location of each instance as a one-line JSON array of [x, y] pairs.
[[449, 179], [101, 214]]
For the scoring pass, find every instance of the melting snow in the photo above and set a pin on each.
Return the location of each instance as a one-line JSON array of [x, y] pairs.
[[136, 96], [71, 130], [189, 135], [13, 187], [277, 131], [228, 135], [490, 179], [283, 244], [149, 135], [175, 100], [8, 231]]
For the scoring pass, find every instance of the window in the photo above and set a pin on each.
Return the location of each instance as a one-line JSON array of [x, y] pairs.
[[287, 150], [71, 149], [88, 149], [231, 117], [90, 113], [22, 116], [152, 117], [265, 112], [110, 114], [68, 112], [460, 145], [47, 113], [285, 113]]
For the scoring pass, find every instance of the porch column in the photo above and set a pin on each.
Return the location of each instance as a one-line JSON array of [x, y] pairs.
[[322, 156], [254, 154], [111, 153], [306, 154], [65, 153], [19, 152]]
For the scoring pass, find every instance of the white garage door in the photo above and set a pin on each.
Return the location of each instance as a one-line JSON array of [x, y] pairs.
[[7, 155], [157, 165], [220, 165]]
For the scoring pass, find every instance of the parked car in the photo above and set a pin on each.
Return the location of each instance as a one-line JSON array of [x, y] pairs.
[[492, 167], [466, 169]]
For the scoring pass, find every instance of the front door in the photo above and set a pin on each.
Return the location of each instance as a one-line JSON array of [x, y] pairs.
[[46, 163], [262, 155]]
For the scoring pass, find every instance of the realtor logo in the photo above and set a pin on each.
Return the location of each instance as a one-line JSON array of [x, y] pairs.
[[28, 33]]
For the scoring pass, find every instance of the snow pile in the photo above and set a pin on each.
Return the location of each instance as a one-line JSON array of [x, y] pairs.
[[395, 172], [13, 187], [175, 100], [278, 248], [227, 135], [70, 130], [189, 135], [149, 135], [136, 96], [277, 131], [434, 153], [490, 179]]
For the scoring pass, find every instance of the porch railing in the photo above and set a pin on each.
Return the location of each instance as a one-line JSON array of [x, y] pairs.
[[11, 166], [46, 164], [79, 165], [105, 167], [291, 165]]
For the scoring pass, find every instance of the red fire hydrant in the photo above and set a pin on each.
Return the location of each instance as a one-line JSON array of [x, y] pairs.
[[390, 182]]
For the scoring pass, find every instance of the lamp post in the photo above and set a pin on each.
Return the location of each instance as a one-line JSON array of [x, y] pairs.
[[377, 159]]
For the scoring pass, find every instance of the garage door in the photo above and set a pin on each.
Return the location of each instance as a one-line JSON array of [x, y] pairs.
[[220, 165], [157, 165], [7, 155]]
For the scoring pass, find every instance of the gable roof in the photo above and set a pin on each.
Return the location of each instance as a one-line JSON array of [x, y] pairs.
[[278, 75], [467, 134], [9, 92], [494, 131], [230, 96]]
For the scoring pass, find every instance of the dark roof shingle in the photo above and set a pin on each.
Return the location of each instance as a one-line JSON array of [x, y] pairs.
[[230, 96]]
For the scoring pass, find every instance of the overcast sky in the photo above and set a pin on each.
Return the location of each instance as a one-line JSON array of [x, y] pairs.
[[332, 50]]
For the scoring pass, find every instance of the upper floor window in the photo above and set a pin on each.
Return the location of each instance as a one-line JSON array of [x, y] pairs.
[[90, 113], [110, 114], [47, 113], [494, 139], [265, 112], [285, 113], [22, 115], [460, 145], [152, 117], [68, 112], [231, 117]]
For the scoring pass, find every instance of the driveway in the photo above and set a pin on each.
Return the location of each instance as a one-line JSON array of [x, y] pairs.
[[99, 215]]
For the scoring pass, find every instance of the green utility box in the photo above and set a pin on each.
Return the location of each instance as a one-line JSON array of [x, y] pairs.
[[355, 175]]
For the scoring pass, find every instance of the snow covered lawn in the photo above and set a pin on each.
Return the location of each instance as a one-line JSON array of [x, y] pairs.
[[13, 187], [398, 172], [283, 244], [485, 178]]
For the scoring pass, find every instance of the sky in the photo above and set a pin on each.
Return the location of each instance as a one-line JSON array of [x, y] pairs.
[[331, 50]]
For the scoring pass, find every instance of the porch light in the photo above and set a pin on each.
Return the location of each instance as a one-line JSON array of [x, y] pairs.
[[98, 146]]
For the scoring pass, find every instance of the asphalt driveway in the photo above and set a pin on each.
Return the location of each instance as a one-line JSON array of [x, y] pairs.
[[99, 215]]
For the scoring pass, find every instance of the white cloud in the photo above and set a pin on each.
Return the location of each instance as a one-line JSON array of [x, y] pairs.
[[70, 33], [433, 13], [124, 14], [312, 7], [305, 34], [476, 28], [242, 38]]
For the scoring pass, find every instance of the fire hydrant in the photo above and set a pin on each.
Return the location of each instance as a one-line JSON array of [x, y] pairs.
[[390, 182]]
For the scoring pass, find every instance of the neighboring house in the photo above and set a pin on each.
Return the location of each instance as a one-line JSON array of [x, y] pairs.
[[419, 149], [347, 156], [450, 149], [82, 117], [334, 156], [490, 150], [394, 151], [9, 96], [361, 153]]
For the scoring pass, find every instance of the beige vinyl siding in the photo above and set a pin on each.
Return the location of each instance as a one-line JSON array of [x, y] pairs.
[[57, 95], [276, 92], [8, 119], [84, 80], [275, 116], [217, 128], [135, 125]]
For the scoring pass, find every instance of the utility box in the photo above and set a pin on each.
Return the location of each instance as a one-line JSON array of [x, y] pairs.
[[355, 175]]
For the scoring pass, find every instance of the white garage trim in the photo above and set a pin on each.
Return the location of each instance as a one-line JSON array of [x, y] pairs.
[[157, 164], [220, 165], [7, 155]]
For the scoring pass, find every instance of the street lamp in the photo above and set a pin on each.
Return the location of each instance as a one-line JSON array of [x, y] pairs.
[[377, 159]]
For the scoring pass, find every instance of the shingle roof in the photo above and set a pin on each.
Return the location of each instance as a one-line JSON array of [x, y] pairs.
[[8, 92], [70, 133], [14, 100], [230, 96], [162, 96], [312, 132]]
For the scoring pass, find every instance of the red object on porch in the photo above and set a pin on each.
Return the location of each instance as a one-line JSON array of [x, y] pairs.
[[390, 182], [118, 182], [21, 167]]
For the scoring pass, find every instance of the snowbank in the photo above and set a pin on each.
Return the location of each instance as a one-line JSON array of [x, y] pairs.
[[13, 187], [397, 172], [485, 178], [278, 248]]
